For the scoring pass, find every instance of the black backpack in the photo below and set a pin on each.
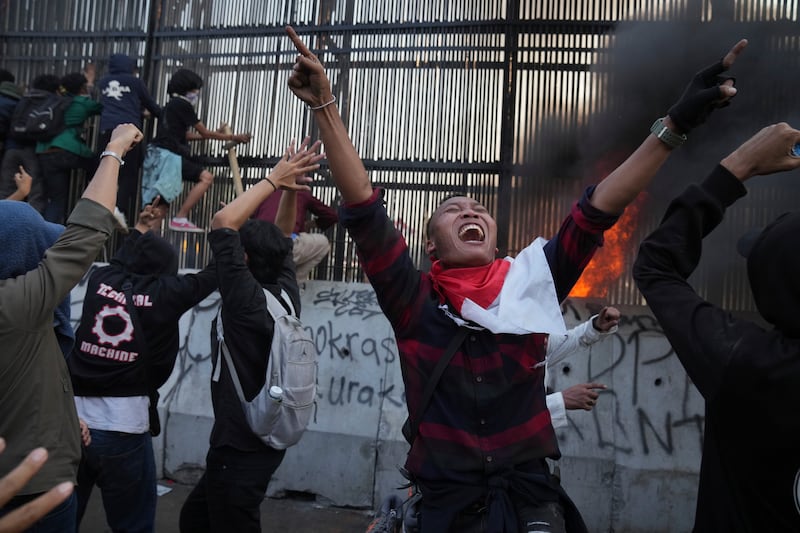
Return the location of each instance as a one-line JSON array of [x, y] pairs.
[[39, 116]]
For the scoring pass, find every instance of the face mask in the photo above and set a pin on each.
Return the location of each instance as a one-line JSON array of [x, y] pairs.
[[192, 98]]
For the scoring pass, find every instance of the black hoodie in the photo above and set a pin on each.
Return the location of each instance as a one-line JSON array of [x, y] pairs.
[[110, 352], [123, 95], [748, 375]]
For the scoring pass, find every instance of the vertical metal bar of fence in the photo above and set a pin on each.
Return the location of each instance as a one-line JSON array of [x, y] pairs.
[[504, 191]]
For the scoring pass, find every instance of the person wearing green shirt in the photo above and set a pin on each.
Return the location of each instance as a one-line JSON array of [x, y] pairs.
[[67, 150]]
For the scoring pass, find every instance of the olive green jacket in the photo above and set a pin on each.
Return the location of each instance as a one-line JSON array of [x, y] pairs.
[[36, 401]]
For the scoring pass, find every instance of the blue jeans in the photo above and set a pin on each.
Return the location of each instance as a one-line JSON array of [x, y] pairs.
[[59, 520], [123, 466]]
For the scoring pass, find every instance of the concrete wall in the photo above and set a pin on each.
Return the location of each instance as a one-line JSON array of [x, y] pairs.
[[630, 465]]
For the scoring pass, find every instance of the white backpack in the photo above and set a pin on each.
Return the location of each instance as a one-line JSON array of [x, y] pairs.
[[281, 418]]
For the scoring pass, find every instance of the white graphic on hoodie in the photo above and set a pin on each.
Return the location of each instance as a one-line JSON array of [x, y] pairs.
[[114, 90]]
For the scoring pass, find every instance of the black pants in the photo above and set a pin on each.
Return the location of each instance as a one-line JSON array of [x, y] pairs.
[[545, 518], [228, 497], [128, 192], [56, 168]]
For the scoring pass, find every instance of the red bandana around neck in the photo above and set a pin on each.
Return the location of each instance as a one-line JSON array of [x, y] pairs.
[[480, 284]]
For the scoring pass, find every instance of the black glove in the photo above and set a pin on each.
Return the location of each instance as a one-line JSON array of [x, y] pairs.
[[700, 98]]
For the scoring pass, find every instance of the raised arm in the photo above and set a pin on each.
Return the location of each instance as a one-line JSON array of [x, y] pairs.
[[707, 91], [151, 216], [23, 180], [767, 152], [286, 214], [705, 337], [310, 84], [103, 187], [202, 132], [583, 335], [289, 174]]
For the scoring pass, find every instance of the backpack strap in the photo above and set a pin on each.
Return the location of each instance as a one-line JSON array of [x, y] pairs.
[[433, 381], [152, 394], [225, 355], [276, 308], [275, 312]]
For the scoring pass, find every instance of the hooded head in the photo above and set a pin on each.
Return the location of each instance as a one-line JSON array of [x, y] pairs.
[[183, 81], [6, 76], [121, 64], [149, 255], [24, 238], [773, 262], [266, 247]]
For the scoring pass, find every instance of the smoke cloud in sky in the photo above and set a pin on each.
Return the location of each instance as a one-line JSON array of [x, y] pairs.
[[649, 65]]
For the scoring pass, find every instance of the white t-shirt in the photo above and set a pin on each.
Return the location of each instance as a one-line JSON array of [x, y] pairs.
[[127, 414]]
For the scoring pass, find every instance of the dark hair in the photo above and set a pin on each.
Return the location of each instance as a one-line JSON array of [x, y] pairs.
[[46, 82], [183, 81], [266, 247], [428, 224], [6, 76], [73, 82]]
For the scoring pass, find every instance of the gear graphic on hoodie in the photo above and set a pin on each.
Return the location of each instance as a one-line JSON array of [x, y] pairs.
[[114, 340]]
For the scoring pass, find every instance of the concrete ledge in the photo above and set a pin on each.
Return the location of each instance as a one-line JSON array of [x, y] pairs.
[[631, 464]]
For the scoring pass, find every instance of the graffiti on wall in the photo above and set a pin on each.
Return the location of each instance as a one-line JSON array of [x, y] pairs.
[[650, 407]]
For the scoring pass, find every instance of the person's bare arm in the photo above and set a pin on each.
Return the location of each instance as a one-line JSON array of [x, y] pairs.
[[202, 132], [622, 186], [310, 84], [288, 174], [103, 186], [766, 152], [23, 181], [151, 216]]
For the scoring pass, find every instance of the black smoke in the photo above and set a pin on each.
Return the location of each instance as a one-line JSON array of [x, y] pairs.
[[648, 65]]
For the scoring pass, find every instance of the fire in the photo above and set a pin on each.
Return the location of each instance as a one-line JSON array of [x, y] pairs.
[[609, 263]]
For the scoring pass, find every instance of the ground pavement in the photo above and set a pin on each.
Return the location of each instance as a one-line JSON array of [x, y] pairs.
[[277, 514]]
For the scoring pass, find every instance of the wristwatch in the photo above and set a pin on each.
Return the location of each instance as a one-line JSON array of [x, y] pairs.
[[666, 135]]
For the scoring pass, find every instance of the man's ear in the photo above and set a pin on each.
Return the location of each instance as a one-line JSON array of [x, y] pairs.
[[430, 249]]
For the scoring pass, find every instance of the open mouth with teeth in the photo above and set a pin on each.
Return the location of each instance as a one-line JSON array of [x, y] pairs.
[[471, 233]]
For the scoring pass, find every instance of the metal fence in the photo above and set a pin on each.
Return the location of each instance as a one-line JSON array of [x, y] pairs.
[[519, 104]]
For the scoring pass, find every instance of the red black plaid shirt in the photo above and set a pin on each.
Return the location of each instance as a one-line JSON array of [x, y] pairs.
[[488, 412]]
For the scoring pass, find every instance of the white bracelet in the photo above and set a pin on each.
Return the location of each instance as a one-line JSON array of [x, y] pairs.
[[326, 104], [115, 155]]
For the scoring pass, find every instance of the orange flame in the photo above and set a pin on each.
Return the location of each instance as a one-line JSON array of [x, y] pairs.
[[609, 263]]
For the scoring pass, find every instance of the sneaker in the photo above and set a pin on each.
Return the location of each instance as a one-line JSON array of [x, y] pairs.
[[387, 519], [183, 224], [119, 220], [384, 523]]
